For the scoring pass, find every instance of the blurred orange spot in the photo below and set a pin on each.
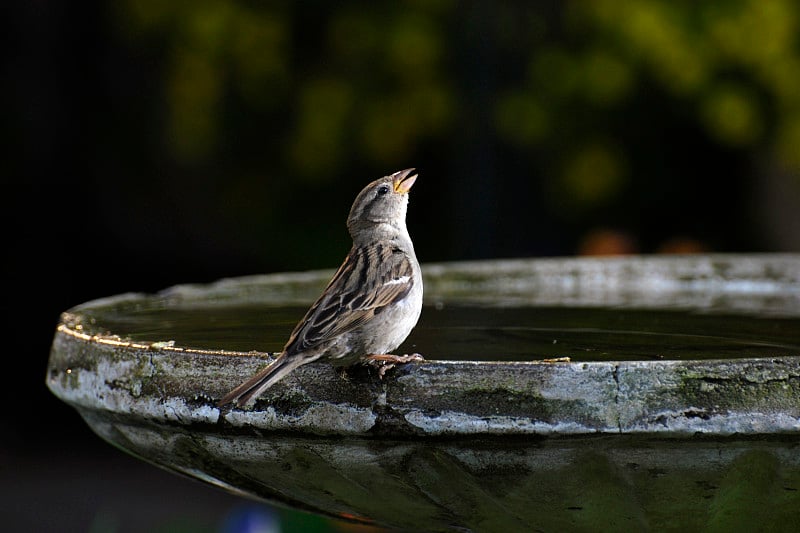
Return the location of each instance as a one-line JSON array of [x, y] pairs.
[[603, 241]]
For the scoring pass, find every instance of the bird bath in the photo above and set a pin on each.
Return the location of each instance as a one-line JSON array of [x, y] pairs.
[[679, 409]]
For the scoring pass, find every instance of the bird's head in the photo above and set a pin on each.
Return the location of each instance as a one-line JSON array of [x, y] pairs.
[[382, 203]]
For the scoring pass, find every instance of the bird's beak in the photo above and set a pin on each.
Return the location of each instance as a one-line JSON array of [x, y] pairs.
[[402, 181]]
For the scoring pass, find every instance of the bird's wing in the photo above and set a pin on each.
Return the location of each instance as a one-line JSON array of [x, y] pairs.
[[353, 297]]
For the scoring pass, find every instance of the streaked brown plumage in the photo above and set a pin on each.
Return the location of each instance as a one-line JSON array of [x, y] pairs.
[[372, 302]]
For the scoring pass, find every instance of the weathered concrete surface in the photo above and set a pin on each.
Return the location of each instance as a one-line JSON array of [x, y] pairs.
[[696, 281], [590, 483], [744, 396]]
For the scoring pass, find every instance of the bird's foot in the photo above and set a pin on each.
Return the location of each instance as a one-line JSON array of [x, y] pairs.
[[386, 361], [557, 360], [383, 358]]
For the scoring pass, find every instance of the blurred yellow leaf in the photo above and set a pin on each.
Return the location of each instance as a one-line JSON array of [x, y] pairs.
[[731, 114], [592, 176], [520, 118]]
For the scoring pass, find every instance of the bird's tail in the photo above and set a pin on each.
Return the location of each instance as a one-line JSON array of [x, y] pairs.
[[260, 382]]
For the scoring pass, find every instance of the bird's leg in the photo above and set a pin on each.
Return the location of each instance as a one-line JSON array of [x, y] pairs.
[[386, 361]]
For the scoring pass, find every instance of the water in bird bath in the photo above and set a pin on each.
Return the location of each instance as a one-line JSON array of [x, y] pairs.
[[480, 332]]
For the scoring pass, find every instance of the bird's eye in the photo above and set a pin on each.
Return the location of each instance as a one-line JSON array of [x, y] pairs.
[[383, 189]]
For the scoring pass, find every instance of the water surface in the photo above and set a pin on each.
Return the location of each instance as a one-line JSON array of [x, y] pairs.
[[480, 333]]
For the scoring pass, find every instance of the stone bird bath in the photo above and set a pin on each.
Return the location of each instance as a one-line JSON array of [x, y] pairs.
[[678, 410]]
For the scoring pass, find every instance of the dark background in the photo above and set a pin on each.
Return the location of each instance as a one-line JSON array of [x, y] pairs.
[[147, 144]]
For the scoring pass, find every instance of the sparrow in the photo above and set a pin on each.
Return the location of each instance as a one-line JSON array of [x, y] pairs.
[[372, 302]]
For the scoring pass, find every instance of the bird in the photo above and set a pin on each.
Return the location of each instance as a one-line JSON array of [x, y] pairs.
[[371, 304]]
